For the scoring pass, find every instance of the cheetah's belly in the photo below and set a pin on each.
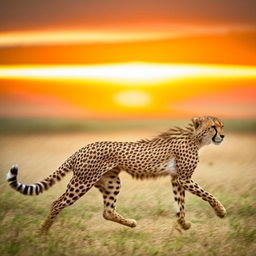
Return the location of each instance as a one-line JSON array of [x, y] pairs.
[[170, 167]]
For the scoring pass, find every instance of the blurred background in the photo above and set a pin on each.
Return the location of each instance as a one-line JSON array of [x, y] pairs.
[[116, 60], [75, 72]]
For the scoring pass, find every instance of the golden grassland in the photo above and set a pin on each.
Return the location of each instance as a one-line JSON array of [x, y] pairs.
[[227, 171]]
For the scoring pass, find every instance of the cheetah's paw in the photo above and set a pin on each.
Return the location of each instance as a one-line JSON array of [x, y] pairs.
[[221, 212], [132, 223], [186, 225]]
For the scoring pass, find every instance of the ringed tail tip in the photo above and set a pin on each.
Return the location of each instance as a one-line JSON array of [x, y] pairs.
[[14, 169], [11, 175]]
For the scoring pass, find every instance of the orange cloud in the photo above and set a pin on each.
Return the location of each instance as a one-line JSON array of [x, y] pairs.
[[231, 102], [235, 48], [115, 35]]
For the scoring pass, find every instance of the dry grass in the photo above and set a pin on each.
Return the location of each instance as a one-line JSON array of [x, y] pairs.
[[228, 171]]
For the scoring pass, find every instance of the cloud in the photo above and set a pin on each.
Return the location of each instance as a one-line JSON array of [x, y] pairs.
[[30, 14], [115, 35], [238, 102]]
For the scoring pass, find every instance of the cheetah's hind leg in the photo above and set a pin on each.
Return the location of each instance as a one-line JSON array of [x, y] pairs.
[[109, 185], [74, 191]]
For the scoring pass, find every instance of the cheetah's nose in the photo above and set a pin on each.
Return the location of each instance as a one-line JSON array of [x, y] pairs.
[[222, 136]]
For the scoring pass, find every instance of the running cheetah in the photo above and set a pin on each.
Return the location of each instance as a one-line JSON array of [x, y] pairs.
[[173, 153]]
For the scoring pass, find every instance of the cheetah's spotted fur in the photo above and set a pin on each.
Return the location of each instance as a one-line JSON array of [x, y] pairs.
[[173, 153]]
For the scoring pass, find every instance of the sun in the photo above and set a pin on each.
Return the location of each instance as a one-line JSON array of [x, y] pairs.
[[132, 98]]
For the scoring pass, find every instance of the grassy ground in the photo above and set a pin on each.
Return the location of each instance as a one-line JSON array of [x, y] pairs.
[[53, 125], [228, 171]]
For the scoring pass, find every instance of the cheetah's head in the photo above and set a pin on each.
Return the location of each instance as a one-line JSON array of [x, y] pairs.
[[211, 129]]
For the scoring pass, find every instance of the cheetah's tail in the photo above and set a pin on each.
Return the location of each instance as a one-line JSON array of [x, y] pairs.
[[39, 187]]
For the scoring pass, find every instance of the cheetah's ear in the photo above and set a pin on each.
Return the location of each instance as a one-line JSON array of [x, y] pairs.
[[196, 122]]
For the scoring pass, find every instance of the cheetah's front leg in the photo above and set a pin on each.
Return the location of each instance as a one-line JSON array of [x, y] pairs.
[[195, 189]]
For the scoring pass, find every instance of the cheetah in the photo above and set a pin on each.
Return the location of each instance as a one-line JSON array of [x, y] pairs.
[[173, 153]]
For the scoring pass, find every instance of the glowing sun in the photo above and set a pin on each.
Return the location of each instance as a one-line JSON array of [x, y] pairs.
[[132, 98]]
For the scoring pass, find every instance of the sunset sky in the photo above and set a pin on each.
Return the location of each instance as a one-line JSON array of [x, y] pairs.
[[127, 59]]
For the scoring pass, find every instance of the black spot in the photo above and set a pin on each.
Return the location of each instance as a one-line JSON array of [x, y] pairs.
[[71, 195], [175, 192], [116, 192], [110, 187], [51, 182], [111, 198], [107, 204]]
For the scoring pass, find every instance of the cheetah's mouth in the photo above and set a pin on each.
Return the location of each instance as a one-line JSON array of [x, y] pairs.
[[216, 140]]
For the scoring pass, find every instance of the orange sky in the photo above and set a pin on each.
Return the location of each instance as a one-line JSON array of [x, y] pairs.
[[136, 41], [128, 90]]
